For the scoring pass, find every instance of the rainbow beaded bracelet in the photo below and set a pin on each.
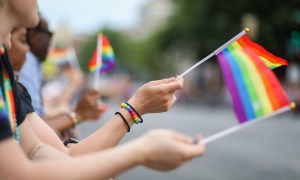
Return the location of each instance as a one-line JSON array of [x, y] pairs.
[[135, 116]]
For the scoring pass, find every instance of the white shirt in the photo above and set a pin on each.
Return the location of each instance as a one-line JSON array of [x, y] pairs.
[[31, 77]]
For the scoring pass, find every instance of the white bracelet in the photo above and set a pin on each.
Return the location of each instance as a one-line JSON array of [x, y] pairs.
[[73, 116]]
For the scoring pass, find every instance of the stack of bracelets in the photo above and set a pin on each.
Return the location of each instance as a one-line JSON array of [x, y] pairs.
[[134, 114]]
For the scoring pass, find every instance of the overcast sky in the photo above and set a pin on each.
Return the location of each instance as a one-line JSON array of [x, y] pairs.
[[89, 15]]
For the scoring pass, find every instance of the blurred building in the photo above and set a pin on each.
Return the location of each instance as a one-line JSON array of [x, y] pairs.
[[153, 16]]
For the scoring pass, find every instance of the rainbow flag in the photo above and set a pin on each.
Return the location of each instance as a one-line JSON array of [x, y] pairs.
[[255, 91], [59, 56], [103, 58]]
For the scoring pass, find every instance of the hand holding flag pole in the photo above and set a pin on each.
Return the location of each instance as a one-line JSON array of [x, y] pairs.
[[102, 61]]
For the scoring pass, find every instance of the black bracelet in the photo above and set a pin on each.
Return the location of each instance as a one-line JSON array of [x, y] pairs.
[[70, 140], [128, 127], [136, 112]]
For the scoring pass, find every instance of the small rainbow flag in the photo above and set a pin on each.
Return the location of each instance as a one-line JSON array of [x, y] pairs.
[[103, 58], [255, 91], [59, 56]]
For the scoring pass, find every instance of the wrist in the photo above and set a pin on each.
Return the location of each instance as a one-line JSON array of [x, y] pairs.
[[134, 114], [127, 116], [136, 106], [78, 115], [137, 145], [73, 117]]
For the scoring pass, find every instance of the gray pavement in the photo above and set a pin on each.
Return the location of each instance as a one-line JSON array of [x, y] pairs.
[[268, 150]]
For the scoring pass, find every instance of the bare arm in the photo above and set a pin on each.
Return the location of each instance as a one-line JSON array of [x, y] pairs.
[[155, 96], [86, 108], [150, 150], [14, 165]]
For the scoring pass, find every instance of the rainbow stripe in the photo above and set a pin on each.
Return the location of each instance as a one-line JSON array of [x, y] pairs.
[[10, 104], [269, 59], [254, 88], [3, 112], [103, 58]]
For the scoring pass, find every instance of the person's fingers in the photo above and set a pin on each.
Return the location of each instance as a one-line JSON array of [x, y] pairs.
[[193, 150], [162, 81], [94, 94], [173, 86], [198, 137], [183, 138], [189, 149]]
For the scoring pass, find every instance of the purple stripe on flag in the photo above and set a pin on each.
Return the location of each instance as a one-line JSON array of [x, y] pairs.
[[230, 82]]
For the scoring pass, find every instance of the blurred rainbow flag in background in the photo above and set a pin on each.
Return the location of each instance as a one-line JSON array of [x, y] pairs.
[[103, 58], [255, 91], [59, 56], [63, 56]]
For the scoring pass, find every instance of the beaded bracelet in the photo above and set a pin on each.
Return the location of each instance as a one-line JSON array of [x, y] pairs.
[[126, 123], [135, 116]]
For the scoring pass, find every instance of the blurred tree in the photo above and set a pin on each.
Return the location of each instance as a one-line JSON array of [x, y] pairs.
[[294, 41], [196, 29], [204, 25]]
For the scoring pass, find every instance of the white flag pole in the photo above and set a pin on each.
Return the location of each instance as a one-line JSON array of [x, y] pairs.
[[98, 62], [73, 58], [244, 125], [216, 51]]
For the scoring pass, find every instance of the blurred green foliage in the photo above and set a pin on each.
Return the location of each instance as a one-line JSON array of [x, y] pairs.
[[199, 26]]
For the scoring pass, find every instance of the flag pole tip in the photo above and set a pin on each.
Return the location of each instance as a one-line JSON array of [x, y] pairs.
[[247, 30], [293, 105]]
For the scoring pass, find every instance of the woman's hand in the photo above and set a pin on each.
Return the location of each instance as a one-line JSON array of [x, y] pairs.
[[156, 96], [88, 107], [165, 149]]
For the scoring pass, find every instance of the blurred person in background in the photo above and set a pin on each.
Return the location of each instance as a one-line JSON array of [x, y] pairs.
[[65, 122]]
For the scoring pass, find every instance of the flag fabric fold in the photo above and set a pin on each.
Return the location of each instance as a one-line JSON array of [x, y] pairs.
[[255, 91]]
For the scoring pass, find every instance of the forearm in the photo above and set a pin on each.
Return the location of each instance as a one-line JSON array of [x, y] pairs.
[[59, 123], [93, 166], [44, 151], [107, 136]]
